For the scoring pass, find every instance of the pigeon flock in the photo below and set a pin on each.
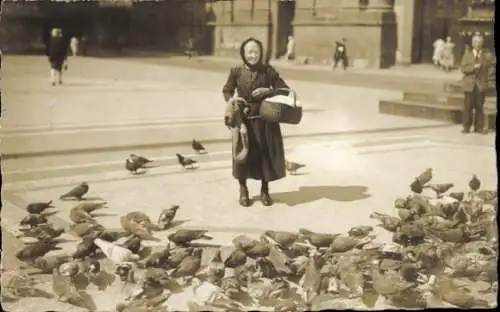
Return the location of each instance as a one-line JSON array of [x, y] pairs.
[[444, 253]]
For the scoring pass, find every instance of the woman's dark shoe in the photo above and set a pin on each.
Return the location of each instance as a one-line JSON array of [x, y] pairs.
[[266, 199], [244, 199]]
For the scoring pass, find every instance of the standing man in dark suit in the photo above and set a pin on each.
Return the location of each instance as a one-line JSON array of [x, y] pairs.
[[476, 67]]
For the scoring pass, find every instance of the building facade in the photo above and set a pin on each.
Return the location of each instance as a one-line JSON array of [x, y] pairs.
[[379, 33]]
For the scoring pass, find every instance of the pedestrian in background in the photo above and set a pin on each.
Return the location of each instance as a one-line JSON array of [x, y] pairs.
[[477, 67], [58, 54], [290, 49], [448, 58], [75, 45], [190, 47], [340, 54], [438, 52], [254, 81]]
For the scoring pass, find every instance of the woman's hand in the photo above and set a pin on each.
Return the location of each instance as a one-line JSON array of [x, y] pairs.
[[261, 92]]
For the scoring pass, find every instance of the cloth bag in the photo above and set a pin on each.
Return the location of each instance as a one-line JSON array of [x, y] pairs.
[[239, 134]]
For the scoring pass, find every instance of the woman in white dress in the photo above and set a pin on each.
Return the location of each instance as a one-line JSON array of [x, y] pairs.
[[438, 51]]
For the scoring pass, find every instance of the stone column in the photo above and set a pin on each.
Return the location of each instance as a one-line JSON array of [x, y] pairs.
[[405, 11], [380, 5]]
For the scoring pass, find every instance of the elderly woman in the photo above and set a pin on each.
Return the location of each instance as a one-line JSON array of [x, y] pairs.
[[58, 53], [254, 81]]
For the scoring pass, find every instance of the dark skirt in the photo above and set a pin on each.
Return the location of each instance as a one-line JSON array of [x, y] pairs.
[[266, 154], [56, 64]]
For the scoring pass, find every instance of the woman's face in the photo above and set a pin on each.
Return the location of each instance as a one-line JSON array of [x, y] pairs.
[[252, 52]]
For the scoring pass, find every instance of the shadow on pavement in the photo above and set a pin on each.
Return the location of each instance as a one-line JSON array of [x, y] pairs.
[[309, 194]]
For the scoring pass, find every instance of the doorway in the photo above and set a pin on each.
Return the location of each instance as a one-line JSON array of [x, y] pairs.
[[436, 19], [285, 16]]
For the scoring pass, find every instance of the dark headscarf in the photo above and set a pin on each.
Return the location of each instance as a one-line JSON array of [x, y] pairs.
[[242, 53]]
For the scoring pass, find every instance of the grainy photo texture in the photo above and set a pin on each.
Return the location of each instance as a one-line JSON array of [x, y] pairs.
[[248, 155]]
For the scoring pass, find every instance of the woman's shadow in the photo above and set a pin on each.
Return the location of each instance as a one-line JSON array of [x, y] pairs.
[[307, 194]]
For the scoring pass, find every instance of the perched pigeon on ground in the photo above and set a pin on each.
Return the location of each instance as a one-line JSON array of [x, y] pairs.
[[185, 161], [38, 207], [77, 192], [292, 167], [198, 147], [167, 216], [33, 220]]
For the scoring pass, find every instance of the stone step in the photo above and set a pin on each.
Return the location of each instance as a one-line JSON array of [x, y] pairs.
[[434, 111], [452, 99], [456, 87]]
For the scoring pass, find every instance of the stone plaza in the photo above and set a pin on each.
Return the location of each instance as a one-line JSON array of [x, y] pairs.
[[357, 161]]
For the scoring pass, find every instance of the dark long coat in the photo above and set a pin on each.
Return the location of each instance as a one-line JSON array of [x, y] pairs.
[[266, 156], [57, 52]]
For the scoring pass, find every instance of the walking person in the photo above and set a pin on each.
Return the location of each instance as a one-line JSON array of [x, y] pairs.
[[477, 65], [254, 81], [58, 54], [340, 54], [448, 58]]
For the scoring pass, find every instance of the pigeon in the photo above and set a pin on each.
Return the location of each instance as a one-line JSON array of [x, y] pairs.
[[140, 231], [77, 192], [318, 240], [416, 187], [47, 231], [185, 161], [47, 264], [360, 231], [33, 220], [38, 207], [388, 222], [132, 166], [183, 237], [78, 214], [440, 188], [198, 147], [474, 183], [216, 268], [90, 206], [283, 239], [425, 177], [189, 265], [35, 250], [236, 258], [175, 258], [158, 259], [134, 162], [85, 248], [139, 159], [167, 216], [292, 167]]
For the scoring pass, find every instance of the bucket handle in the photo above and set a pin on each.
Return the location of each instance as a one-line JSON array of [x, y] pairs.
[[291, 93]]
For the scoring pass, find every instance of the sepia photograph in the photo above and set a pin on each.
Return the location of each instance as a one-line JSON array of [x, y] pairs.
[[248, 155]]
